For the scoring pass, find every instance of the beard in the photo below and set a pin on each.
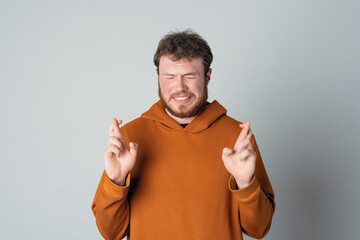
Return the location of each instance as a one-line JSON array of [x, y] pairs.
[[183, 112]]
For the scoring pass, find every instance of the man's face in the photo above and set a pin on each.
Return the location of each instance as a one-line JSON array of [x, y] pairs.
[[183, 86]]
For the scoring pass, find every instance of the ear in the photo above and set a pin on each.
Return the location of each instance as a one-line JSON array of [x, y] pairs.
[[157, 73], [208, 76]]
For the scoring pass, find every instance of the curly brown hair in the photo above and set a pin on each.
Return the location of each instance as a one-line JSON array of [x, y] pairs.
[[184, 45]]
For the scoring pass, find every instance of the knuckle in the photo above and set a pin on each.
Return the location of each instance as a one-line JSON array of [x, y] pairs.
[[114, 140], [107, 152]]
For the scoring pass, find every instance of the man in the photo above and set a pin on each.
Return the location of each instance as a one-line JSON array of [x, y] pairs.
[[184, 169]]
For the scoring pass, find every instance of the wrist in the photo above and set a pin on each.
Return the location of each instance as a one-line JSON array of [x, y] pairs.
[[120, 181], [243, 184]]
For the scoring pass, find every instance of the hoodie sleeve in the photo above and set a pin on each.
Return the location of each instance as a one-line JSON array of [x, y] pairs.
[[111, 208], [256, 201]]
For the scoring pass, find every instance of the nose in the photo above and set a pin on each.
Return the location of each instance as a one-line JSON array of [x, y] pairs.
[[180, 84]]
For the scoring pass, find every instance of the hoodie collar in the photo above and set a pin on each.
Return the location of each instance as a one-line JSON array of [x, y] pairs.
[[211, 113]]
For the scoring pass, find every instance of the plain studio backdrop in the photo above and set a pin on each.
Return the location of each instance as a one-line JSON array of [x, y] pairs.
[[68, 67]]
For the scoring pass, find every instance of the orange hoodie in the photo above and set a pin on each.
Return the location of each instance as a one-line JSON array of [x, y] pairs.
[[179, 187]]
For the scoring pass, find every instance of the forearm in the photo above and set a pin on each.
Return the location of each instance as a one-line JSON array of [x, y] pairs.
[[111, 208], [255, 207]]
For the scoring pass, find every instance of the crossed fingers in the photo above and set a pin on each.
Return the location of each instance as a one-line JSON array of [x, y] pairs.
[[114, 130], [244, 139], [116, 137]]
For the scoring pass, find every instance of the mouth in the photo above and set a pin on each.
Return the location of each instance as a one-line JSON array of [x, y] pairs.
[[182, 99]]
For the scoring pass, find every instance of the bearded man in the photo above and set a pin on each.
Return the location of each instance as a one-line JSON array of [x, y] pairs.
[[184, 169]]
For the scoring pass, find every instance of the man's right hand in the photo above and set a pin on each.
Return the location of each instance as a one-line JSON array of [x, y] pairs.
[[118, 159]]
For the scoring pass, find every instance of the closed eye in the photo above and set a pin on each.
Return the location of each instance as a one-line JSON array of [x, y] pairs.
[[168, 76]]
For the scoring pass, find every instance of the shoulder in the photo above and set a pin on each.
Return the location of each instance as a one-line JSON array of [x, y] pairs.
[[135, 130], [223, 119], [228, 122], [136, 125]]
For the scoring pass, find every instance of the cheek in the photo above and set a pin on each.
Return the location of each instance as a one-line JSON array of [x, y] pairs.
[[197, 87], [165, 88]]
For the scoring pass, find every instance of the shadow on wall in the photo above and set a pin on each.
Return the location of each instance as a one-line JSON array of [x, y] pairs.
[[313, 193]]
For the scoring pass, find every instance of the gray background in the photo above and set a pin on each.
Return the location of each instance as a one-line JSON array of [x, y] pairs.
[[68, 67]]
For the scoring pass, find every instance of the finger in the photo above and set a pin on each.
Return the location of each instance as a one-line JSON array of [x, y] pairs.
[[227, 152], [112, 149], [244, 155], [245, 144], [117, 132], [111, 129], [250, 134], [244, 124], [115, 150], [133, 148], [116, 142], [243, 133]]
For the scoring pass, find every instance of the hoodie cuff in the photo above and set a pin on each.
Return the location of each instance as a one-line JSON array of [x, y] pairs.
[[246, 194], [113, 190]]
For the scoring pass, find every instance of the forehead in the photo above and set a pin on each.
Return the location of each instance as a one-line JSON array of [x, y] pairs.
[[166, 63]]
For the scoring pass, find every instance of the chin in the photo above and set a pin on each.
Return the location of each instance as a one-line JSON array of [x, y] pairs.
[[186, 111]]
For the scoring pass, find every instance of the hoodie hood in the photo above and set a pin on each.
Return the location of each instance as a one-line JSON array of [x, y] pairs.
[[212, 112]]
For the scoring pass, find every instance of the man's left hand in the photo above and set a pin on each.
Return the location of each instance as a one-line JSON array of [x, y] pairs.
[[240, 161]]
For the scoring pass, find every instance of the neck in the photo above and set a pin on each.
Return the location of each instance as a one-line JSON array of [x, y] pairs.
[[180, 120]]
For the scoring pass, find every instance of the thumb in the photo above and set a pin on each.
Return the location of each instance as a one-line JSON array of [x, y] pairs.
[[227, 152], [133, 147]]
